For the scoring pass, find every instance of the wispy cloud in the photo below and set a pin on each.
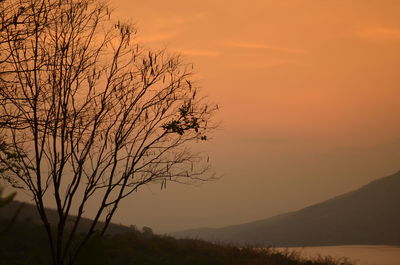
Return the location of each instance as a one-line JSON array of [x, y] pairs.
[[263, 64], [167, 28], [158, 37], [206, 53], [260, 46], [380, 33], [174, 21]]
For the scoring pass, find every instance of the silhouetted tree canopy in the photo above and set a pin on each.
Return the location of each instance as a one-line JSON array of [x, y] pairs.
[[89, 115]]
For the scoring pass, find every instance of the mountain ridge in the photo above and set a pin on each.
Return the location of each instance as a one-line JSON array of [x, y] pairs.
[[368, 215]]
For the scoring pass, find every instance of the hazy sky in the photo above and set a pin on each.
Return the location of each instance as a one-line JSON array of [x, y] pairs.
[[309, 92], [310, 102]]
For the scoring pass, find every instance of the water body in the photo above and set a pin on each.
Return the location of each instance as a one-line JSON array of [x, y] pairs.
[[360, 255]]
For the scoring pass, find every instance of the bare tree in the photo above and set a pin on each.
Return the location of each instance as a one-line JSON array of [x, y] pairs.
[[90, 116], [13, 14]]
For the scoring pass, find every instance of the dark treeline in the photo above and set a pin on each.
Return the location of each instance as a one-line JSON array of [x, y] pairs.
[[25, 243]]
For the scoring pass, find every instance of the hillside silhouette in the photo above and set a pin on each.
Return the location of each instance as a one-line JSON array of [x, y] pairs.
[[28, 214], [25, 243], [369, 215]]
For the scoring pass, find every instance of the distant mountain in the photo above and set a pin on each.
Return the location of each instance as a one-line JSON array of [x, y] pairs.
[[29, 213], [369, 215]]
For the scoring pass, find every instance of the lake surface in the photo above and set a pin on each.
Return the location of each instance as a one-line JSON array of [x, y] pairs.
[[361, 255]]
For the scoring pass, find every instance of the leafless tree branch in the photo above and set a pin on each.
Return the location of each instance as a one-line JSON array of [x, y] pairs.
[[89, 115]]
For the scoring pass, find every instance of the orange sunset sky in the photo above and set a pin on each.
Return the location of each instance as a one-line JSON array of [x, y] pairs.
[[309, 96], [309, 92]]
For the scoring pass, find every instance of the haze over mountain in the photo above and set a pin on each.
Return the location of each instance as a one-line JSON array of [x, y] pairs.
[[307, 83], [369, 215]]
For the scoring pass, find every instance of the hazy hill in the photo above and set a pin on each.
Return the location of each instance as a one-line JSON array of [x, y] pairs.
[[369, 215]]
